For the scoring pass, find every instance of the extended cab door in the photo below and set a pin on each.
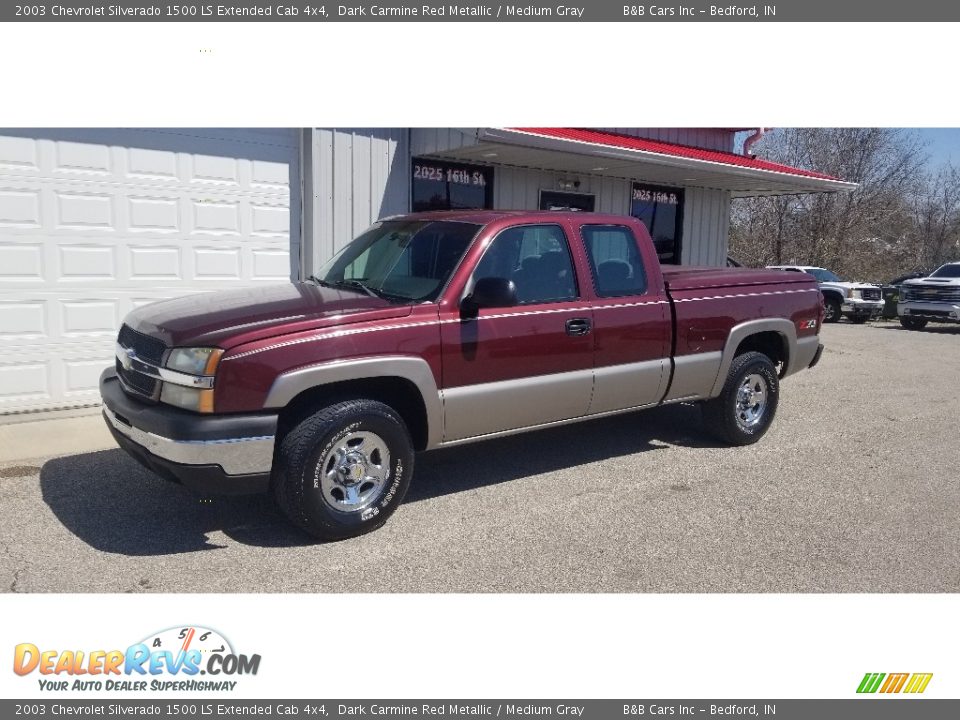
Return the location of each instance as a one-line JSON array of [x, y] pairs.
[[529, 364], [632, 325]]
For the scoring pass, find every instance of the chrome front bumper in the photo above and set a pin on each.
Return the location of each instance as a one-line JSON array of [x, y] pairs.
[[937, 311], [236, 456], [210, 454], [862, 307]]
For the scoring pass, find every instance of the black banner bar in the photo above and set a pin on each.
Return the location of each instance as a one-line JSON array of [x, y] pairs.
[[432, 11]]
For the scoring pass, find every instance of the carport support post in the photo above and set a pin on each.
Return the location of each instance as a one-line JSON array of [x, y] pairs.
[[310, 202]]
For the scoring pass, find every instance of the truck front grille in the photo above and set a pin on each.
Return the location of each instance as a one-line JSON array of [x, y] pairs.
[[146, 356], [926, 293], [139, 383], [147, 348], [871, 293]]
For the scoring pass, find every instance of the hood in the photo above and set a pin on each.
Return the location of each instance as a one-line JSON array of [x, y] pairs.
[[934, 281], [230, 317], [849, 285]]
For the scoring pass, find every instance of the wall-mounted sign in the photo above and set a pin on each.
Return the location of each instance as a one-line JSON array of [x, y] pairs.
[[647, 193], [441, 185], [461, 175]]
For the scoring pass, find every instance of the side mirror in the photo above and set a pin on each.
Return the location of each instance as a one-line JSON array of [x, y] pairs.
[[489, 292]]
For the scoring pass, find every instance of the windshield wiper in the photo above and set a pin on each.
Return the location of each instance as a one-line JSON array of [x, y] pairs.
[[317, 281], [355, 284]]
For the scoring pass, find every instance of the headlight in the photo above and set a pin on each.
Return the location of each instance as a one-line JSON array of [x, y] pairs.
[[201, 364], [856, 294], [194, 361], [188, 398]]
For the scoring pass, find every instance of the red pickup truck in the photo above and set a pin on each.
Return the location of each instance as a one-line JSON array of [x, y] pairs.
[[435, 329]]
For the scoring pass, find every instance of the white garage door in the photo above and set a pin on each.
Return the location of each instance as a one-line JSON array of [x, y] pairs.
[[94, 223]]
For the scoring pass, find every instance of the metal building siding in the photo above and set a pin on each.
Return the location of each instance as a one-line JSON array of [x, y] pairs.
[[425, 141], [359, 176], [706, 222], [519, 189], [706, 213]]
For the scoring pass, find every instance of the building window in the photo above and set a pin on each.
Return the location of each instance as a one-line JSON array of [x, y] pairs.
[[661, 210], [451, 186], [562, 200]]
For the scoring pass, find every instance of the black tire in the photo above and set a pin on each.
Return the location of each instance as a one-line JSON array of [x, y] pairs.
[[912, 323], [723, 415], [859, 319], [833, 311], [301, 486]]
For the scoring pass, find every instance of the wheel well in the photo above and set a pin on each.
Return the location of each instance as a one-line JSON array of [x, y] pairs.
[[832, 294], [399, 393], [770, 343]]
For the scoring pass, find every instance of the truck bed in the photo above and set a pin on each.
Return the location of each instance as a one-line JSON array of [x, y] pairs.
[[684, 277]]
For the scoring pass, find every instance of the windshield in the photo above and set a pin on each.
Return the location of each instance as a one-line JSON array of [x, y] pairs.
[[948, 271], [403, 261], [822, 275]]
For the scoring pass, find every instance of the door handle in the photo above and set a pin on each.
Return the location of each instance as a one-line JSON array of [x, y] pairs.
[[578, 326]]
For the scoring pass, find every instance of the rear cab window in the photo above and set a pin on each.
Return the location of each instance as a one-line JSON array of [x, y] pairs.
[[614, 259]]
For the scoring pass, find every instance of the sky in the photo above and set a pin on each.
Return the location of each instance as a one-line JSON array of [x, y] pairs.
[[944, 145]]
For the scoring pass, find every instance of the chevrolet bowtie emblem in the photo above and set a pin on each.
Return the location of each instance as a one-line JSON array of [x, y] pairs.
[[129, 355]]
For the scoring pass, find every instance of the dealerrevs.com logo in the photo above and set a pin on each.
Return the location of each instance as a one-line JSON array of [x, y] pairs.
[[176, 659]]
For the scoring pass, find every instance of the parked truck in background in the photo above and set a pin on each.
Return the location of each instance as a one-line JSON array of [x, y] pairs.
[[935, 298], [855, 300], [435, 329]]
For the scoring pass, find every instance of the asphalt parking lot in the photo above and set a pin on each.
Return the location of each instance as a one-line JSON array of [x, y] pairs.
[[854, 489]]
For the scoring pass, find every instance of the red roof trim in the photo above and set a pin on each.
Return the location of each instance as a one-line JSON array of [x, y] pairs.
[[597, 137]]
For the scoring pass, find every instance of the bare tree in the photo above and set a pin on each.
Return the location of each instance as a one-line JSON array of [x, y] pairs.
[[864, 234]]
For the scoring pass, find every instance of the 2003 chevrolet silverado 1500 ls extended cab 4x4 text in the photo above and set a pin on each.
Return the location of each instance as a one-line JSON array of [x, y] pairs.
[[435, 329]]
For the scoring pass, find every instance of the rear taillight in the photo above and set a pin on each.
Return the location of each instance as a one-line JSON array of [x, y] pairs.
[[821, 314]]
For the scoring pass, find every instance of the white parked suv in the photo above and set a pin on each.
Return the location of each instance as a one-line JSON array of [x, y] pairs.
[[855, 300], [935, 298]]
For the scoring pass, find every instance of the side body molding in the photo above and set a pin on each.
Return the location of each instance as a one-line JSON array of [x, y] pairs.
[[739, 333], [416, 370]]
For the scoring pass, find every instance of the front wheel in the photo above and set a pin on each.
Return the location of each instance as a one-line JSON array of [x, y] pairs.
[[832, 310], [343, 471], [746, 406], [912, 323]]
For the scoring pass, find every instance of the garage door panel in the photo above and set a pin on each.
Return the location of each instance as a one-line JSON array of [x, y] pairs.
[[155, 165], [94, 223], [158, 214], [19, 208], [19, 153], [21, 262], [24, 385], [85, 211], [84, 158]]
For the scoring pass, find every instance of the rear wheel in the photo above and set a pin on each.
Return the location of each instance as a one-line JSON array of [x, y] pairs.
[[746, 406], [912, 323], [343, 471]]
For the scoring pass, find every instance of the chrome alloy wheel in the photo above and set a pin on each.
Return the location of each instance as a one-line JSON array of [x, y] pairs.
[[354, 472], [751, 401]]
